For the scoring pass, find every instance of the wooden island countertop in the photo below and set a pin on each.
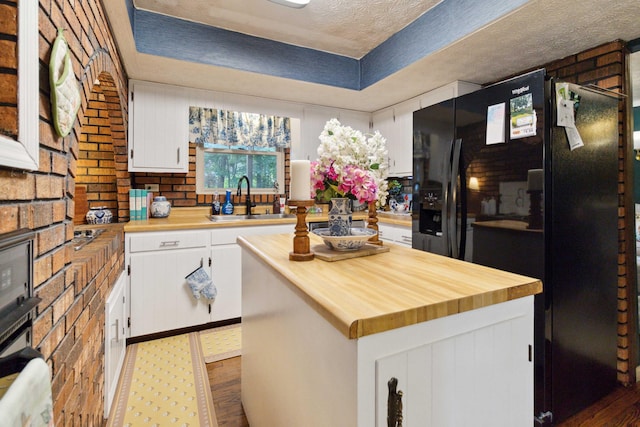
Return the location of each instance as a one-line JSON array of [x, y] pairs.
[[401, 287]]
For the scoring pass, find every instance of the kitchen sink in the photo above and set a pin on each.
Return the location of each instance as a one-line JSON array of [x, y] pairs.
[[224, 218]]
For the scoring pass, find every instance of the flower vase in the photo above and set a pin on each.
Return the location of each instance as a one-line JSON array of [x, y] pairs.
[[340, 217]]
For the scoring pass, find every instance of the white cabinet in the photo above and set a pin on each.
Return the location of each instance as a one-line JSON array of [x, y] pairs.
[[312, 123], [161, 299], [226, 266], [456, 380], [395, 233], [158, 262], [114, 339], [226, 273], [395, 123], [158, 128]]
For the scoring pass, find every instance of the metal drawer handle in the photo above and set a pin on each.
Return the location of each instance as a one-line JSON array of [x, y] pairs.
[[169, 243]]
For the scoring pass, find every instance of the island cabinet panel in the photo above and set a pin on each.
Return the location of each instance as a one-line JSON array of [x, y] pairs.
[[301, 367], [458, 380]]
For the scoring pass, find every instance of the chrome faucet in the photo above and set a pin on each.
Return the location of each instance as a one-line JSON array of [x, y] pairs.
[[248, 198]]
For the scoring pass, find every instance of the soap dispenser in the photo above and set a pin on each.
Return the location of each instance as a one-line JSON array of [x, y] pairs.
[[276, 205], [215, 206], [227, 207]]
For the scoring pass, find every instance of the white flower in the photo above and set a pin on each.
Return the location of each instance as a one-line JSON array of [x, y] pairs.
[[341, 146]]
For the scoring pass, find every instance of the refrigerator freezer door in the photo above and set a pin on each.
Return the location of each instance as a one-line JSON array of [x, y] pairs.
[[432, 145]]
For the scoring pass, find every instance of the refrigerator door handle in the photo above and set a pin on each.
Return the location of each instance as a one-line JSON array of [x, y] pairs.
[[453, 214], [446, 179]]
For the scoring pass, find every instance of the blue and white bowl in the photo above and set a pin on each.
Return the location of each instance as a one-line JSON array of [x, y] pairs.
[[351, 242]]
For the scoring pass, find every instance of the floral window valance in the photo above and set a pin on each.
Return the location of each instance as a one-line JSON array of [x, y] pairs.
[[214, 128]]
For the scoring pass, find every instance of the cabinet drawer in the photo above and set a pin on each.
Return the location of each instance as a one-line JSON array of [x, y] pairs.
[[226, 236], [167, 241]]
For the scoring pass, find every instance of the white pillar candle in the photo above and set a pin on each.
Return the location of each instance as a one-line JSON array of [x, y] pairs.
[[535, 179], [300, 187]]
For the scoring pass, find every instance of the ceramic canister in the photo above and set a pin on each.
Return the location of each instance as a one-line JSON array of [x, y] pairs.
[[99, 215], [160, 207]]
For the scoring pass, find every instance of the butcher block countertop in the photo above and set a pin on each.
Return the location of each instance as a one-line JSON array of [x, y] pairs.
[[401, 287], [198, 217]]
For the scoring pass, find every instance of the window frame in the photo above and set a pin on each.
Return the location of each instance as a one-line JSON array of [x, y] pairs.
[[23, 152], [280, 166]]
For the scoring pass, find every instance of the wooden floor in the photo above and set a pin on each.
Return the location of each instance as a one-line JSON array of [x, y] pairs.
[[224, 377], [621, 408]]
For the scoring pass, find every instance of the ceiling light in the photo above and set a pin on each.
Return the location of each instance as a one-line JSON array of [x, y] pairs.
[[292, 3]]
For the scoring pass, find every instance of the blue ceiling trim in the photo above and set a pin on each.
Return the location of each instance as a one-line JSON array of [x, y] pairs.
[[447, 22], [439, 27], [162, 35]]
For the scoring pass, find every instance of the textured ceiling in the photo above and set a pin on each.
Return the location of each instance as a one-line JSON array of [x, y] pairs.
[[346, 27], [538, 32]]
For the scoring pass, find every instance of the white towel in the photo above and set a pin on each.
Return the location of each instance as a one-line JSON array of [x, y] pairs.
[[28, 400]]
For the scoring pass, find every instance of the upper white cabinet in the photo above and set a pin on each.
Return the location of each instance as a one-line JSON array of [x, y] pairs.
[[396, 124], [312, 123], [158, 128]]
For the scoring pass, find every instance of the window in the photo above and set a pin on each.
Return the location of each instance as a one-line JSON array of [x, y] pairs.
[[218, 170], [232, 144]]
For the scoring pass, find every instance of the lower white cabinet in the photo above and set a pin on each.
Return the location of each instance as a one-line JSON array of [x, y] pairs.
[[161, 299], [158, 263], [395, 233], [114, 340]]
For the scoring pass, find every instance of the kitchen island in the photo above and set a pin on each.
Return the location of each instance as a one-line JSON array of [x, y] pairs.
[[321, 340]]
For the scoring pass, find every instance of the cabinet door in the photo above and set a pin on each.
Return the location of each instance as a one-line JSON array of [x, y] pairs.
[[159, 128], [161, 299], [402, 158], [383, 122], [456, 381], [114, 340], [226, 273], [311, 126]]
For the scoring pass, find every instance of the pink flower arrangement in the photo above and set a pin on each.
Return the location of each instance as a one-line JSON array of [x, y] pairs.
[[349, 165]]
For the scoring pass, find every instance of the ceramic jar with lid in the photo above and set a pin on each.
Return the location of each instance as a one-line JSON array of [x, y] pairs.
[[160, 207], [99, 215]]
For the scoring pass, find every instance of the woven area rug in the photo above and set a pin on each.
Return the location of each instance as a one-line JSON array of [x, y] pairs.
[[221, 343], [164, 383]]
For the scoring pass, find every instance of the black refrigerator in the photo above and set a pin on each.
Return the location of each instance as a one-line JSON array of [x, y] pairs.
[[497, 182]]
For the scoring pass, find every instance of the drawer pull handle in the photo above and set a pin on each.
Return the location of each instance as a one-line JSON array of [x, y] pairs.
[[169, 243]]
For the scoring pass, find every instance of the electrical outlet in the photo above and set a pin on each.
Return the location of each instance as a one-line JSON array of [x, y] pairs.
[[152, 187]]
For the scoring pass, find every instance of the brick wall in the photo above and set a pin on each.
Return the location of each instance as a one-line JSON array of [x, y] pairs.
[[102, 140], [68, 327], [180, 189]]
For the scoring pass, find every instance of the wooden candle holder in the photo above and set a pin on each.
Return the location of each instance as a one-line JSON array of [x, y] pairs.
[[372, 222], [301, 243]]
